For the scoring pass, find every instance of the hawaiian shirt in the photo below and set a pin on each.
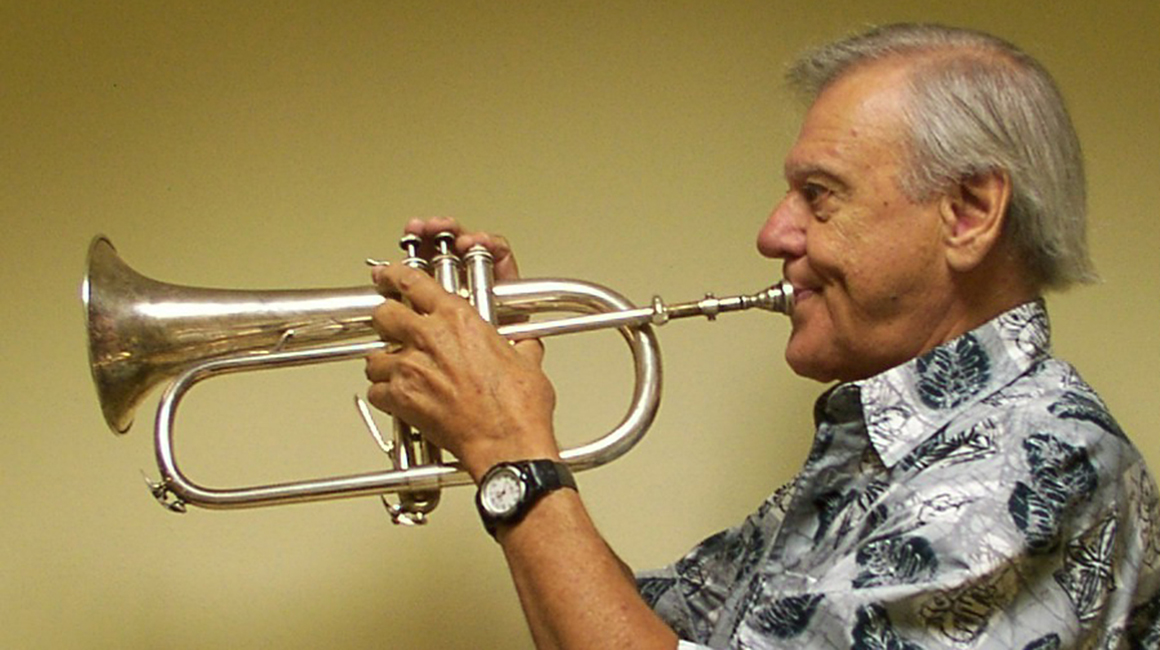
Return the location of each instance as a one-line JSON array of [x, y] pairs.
[[979, 496]]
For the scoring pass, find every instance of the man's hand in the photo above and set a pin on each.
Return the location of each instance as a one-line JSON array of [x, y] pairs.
[[486, 400], [505, 261], [450, 374]]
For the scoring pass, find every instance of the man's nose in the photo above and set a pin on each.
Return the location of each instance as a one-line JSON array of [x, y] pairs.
[[783, 235]]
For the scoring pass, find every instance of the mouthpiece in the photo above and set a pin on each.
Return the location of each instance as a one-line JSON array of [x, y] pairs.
[[778, 298]]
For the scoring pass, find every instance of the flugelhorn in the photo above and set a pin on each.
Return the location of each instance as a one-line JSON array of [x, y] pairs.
[[143, 333]]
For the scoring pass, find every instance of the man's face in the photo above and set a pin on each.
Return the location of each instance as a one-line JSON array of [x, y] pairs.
[[871, 282]]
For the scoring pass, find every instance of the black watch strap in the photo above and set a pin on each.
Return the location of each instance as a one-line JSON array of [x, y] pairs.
[[540, 477]]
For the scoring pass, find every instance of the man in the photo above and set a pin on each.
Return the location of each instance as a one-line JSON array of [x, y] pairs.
[[964, 489]]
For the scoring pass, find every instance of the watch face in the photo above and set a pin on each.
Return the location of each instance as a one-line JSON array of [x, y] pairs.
[[502, 491]]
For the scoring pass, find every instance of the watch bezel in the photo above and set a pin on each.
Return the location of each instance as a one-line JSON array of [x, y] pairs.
[[517, 475], [536, 478]]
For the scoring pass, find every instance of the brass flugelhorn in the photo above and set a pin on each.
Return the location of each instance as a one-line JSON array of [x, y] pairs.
[[143, 333]]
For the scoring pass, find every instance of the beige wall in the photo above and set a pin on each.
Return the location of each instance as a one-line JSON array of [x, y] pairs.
[[278, 144]]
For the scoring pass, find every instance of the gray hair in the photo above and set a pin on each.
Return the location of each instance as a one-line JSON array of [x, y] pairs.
[[978, 104]]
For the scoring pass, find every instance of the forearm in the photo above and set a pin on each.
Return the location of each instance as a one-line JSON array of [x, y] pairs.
[[487, 401], [575, 592]]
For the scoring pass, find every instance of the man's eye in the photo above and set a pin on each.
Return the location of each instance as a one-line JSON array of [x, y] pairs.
[[813, 193]]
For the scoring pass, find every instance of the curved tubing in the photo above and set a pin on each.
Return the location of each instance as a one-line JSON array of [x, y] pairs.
[[537, 295]]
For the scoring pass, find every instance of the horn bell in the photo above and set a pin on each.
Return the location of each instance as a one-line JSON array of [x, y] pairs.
[[121, 368], [143, 332]]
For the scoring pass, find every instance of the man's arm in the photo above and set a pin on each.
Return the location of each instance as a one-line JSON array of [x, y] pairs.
[[574, 591], [487, 401]]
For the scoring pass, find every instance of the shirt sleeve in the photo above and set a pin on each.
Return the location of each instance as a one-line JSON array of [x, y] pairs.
[[692, 594]]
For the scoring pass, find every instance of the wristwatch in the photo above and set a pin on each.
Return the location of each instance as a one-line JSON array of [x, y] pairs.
[[508, 490]]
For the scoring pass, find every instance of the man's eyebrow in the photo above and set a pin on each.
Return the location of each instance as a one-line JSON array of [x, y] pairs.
[[797, 173]]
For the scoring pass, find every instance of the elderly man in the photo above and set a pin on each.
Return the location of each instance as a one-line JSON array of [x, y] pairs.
[[964, 489]]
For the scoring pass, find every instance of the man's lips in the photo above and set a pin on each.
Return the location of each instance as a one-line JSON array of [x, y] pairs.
[[801, 293]]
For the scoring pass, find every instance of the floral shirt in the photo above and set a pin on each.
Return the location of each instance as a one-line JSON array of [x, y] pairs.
[[979, 496]]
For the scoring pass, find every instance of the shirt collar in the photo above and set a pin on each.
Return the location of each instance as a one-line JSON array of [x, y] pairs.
[[906, 404]]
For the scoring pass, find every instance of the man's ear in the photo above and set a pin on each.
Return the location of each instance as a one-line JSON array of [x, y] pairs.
[[973, 214]]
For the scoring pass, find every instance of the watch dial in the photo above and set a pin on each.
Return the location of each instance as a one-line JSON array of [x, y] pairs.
[[502, 492]]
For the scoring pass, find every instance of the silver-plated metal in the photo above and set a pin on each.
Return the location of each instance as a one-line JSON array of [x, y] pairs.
[[777, 298], [364, 412], [143, 333], [448, 268], [411, 449], [410, 245], [481, 281]]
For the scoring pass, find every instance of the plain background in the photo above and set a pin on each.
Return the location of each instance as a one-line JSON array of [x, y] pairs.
[[277, 144]]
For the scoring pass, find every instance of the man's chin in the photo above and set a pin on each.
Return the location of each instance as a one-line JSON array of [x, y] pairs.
[[808, 365]]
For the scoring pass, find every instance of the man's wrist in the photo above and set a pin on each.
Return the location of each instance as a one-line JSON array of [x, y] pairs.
[[477, 462], [509, 490]]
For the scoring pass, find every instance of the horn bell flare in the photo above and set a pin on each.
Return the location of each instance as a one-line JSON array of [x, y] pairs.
[[121, 377]]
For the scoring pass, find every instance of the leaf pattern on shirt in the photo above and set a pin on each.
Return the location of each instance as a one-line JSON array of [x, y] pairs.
[[1071, 380], [1012, 397], [891, 421], [1086, 576], [895, 560], [849, 508], [943, 506], [1037, 517], [966, 446], [651, 589], [786, 618], [874, 631], [724, 547], [1144, 624], [961, 615], [1013, 509], [954, 373], [721, 559], [1078, 406], [830, 506], [1061, 475], [1147, 513], [1045, 642], [1028, 327]]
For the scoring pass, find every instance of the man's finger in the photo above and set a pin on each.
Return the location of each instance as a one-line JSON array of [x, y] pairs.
[[417, 287], [530, 349]]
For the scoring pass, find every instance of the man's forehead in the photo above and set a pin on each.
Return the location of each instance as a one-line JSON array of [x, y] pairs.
[[856, 120]]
